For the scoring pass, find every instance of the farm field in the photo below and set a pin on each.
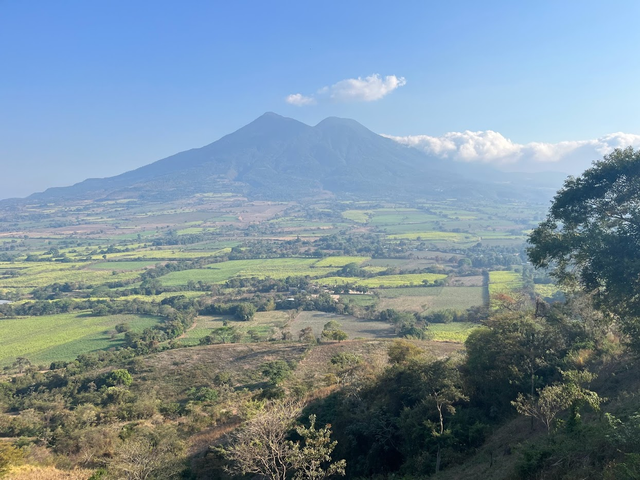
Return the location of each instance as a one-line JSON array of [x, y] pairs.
[[340, 261], [63, 337], [274, 268], [400, 280], [35, 274], [354, 327], [360, 300], [503, 281], [451, 332], [421, 299], [121, 266], [436, 237]]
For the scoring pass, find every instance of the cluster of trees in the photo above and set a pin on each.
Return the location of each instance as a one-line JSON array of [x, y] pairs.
[[477, 314], [406, 324]]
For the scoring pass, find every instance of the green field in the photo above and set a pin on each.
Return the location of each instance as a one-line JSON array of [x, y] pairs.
[[36, 274], [437, 237], [63, 337], [504, 281], [274, 268], [451, 332], [121, 266], [340, 261], [360, 300], [409, 279], [410, 292], [359, 216]]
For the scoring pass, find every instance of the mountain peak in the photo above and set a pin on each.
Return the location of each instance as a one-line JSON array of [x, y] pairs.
[[270, 115], [339, 123], [279, 157]]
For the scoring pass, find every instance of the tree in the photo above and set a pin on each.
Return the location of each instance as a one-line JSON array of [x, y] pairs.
[[227, 334], [120, 377], [149, 455], [261, 446], [245, 311], [9, 456], [554, 399], [516, 352], [332, 331], [401, 351], [312, 459], [443, 386], [591, 237], [22, 363], [276, 371], [306, 335]]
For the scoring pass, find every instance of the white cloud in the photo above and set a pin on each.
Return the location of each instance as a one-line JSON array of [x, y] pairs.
[[492, 147], [299, 100], [367, 89]]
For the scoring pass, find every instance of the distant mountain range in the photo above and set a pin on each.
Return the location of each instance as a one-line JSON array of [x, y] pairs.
[[275, 157]]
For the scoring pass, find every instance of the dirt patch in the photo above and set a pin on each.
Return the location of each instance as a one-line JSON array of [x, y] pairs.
[[407, 304]]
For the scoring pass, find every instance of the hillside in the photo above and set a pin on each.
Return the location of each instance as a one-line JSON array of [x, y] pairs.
[[275, 157]]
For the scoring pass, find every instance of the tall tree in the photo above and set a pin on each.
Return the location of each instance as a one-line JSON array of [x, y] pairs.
[[591, 237]]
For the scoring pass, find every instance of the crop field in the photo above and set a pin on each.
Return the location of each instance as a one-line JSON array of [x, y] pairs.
[[435, 236], [431, 298], [159, 254], [121, 266], [360, 300], [63, 337], [203, 327], [401, 216], [340, 261], [451, 332], [410, 292], [409, 279], [458, 298], [359, 216], [501, 281], [330, 281], [43, 274], [354, 327], [274, 268], [154, 298]]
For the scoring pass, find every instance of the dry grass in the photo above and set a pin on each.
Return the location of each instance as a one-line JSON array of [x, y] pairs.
[[354, 327], [31, 472], [174, 371]]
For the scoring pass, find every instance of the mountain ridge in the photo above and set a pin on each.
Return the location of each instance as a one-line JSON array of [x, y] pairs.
[[279, 157]]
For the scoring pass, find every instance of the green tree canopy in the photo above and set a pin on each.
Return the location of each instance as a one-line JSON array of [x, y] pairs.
[[591, 237]]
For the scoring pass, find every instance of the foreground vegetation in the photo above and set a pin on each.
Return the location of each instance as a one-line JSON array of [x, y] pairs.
[[166, 344]]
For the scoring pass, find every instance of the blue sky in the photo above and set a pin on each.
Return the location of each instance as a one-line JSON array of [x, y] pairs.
[[96, 88]]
